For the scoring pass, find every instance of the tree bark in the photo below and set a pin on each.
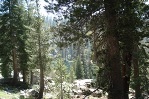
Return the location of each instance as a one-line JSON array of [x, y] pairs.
[[41, 68], [24, 76], [128, 41], [39, 53], [15, 69], [61, 78], [14, 51], [113, 66], [113, 69], [136, 72], [95, 57], [41, 83], [126, 72], [78, 49], [31, 77]]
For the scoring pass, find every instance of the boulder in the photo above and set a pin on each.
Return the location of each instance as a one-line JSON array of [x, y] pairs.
[[96, 94], [33, 93]]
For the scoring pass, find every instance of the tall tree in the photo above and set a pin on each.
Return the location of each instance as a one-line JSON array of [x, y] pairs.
[[13, 34], [31, 41], [22, 49], [135, 62], [40, 61], [131, 33], [79, 69], [113, 52], [119, 31]]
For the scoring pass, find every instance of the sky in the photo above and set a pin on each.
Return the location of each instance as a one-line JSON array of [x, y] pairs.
[[42, 10]]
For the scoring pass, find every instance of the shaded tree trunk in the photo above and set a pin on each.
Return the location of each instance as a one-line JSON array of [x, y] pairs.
[[113, 66], [41, 67], [78, 49], [41, 82], [128, 44], [61, 90], [15, 67], [39, 53], [113, 69], [24, 76], [61, 78], [71, 52], [136, 72], [95, 47], [13, 40], [126, 72], [31, 77], [84, 69]]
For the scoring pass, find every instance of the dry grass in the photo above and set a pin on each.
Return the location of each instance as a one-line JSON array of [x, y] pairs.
[[6, 95]]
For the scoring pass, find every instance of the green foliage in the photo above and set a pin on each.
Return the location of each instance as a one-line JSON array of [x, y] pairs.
[[61, 76], [79, 69], [102, 80], [13, 33], [143, 70], [60, 69], [82, 26], [6, 72], [93, 70], [89, 16], [72, 73]]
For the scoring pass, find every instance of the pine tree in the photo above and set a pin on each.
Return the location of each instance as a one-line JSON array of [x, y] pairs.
[[12, 34], [79, 71], [115, 26], [40, 60], [32, 37]]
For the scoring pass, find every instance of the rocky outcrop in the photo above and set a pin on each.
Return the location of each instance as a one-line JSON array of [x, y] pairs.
[[84, 87]]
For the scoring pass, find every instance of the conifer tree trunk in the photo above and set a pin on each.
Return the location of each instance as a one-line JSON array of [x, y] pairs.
[[113, 66], [128, 48], [13, 39], [95, 47], [85, 75], [126, 71], [61, 80], [71, 52], [78, 49], [41, 76], [24, 76], [61, 90], [40, 61], [15, 75], [14, 59], [136, 72], [40, 66], [31, 77]]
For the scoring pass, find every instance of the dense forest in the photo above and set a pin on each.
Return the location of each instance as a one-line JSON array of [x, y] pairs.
[[104, 42]]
